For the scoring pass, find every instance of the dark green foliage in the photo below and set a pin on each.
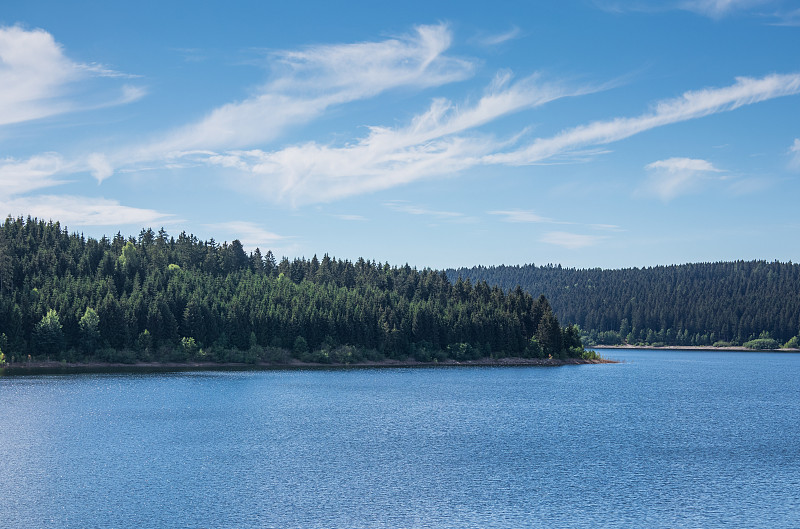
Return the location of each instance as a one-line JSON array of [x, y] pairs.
[[90, 330], [684, 305], [157, 298], [549, 334], [300, 348]]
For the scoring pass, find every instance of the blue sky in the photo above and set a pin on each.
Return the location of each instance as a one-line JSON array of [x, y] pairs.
[[587, 133]]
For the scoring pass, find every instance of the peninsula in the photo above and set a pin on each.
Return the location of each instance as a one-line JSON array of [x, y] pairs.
[[71, 300]]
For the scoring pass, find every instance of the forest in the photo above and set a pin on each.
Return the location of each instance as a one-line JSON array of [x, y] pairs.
[[754, 304], [65, 297]]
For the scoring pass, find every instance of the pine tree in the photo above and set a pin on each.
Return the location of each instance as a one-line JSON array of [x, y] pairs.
[[48, 337]]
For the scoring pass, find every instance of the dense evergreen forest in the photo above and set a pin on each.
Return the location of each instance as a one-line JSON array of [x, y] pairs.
[[754, 303], [159, 298]]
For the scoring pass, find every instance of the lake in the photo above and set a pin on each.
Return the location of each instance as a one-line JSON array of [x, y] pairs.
[[664, 439]]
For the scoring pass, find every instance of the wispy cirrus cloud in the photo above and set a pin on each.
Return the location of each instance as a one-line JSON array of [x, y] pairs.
[[606, 227], [36, 75], [787, 18], [249, 233], [305, 83], [351, 218], [794, 152], [433, 144], [715, 9], [37, 172], [571, 241], [720, 8], [253, 235], [524, 216], [415, 209], [499, 38], [444, 140], [673, 177], [564, 239], [773, 12], [18, 178], [691, 105], [309, 81], [77, 211]]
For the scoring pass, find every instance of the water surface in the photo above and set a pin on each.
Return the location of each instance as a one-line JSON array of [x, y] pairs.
[[665, 439]]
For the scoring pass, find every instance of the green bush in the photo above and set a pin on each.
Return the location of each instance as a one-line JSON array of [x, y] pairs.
[[300, 348], [590, 355], [534, 349], [462, 351], [189, 347], [345, 354], [762, 344], [794, 343]]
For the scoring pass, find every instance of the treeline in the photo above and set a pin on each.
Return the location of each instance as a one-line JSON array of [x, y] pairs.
[[159, 298], [752, 303]]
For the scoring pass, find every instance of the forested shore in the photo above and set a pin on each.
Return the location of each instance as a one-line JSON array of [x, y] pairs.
[[749, 304], [158, 298]]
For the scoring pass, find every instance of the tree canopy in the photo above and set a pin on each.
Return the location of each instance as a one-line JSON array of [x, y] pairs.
[[157, 297], [700, 304]]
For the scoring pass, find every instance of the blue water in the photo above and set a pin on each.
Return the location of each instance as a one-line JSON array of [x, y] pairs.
[[665, 439]]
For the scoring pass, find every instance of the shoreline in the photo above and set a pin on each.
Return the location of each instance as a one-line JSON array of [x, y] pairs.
[[738, 348], [56, 367]]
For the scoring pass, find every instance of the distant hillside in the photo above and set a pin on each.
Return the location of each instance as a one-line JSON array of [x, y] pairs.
[[691, 304]]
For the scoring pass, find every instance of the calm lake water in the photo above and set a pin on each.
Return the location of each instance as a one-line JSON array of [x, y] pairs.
[[666, 439]]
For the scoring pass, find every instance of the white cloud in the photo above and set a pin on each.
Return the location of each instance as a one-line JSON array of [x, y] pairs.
[[443, 140], [76, 211], [690, 105], [412, 209], [529, 217], [33, 71], [129, 94], [788, 18], [35, 76], [711, 8], [673, 177], [37, 172], [99, 166], [719, 8], [519, 215], [794, 151], [571, 241], [250, 234], [606, 227], [429, 146], [352, 218], [101, 71], [311, 80], [494, 40], [680, 165], [45, 170]]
